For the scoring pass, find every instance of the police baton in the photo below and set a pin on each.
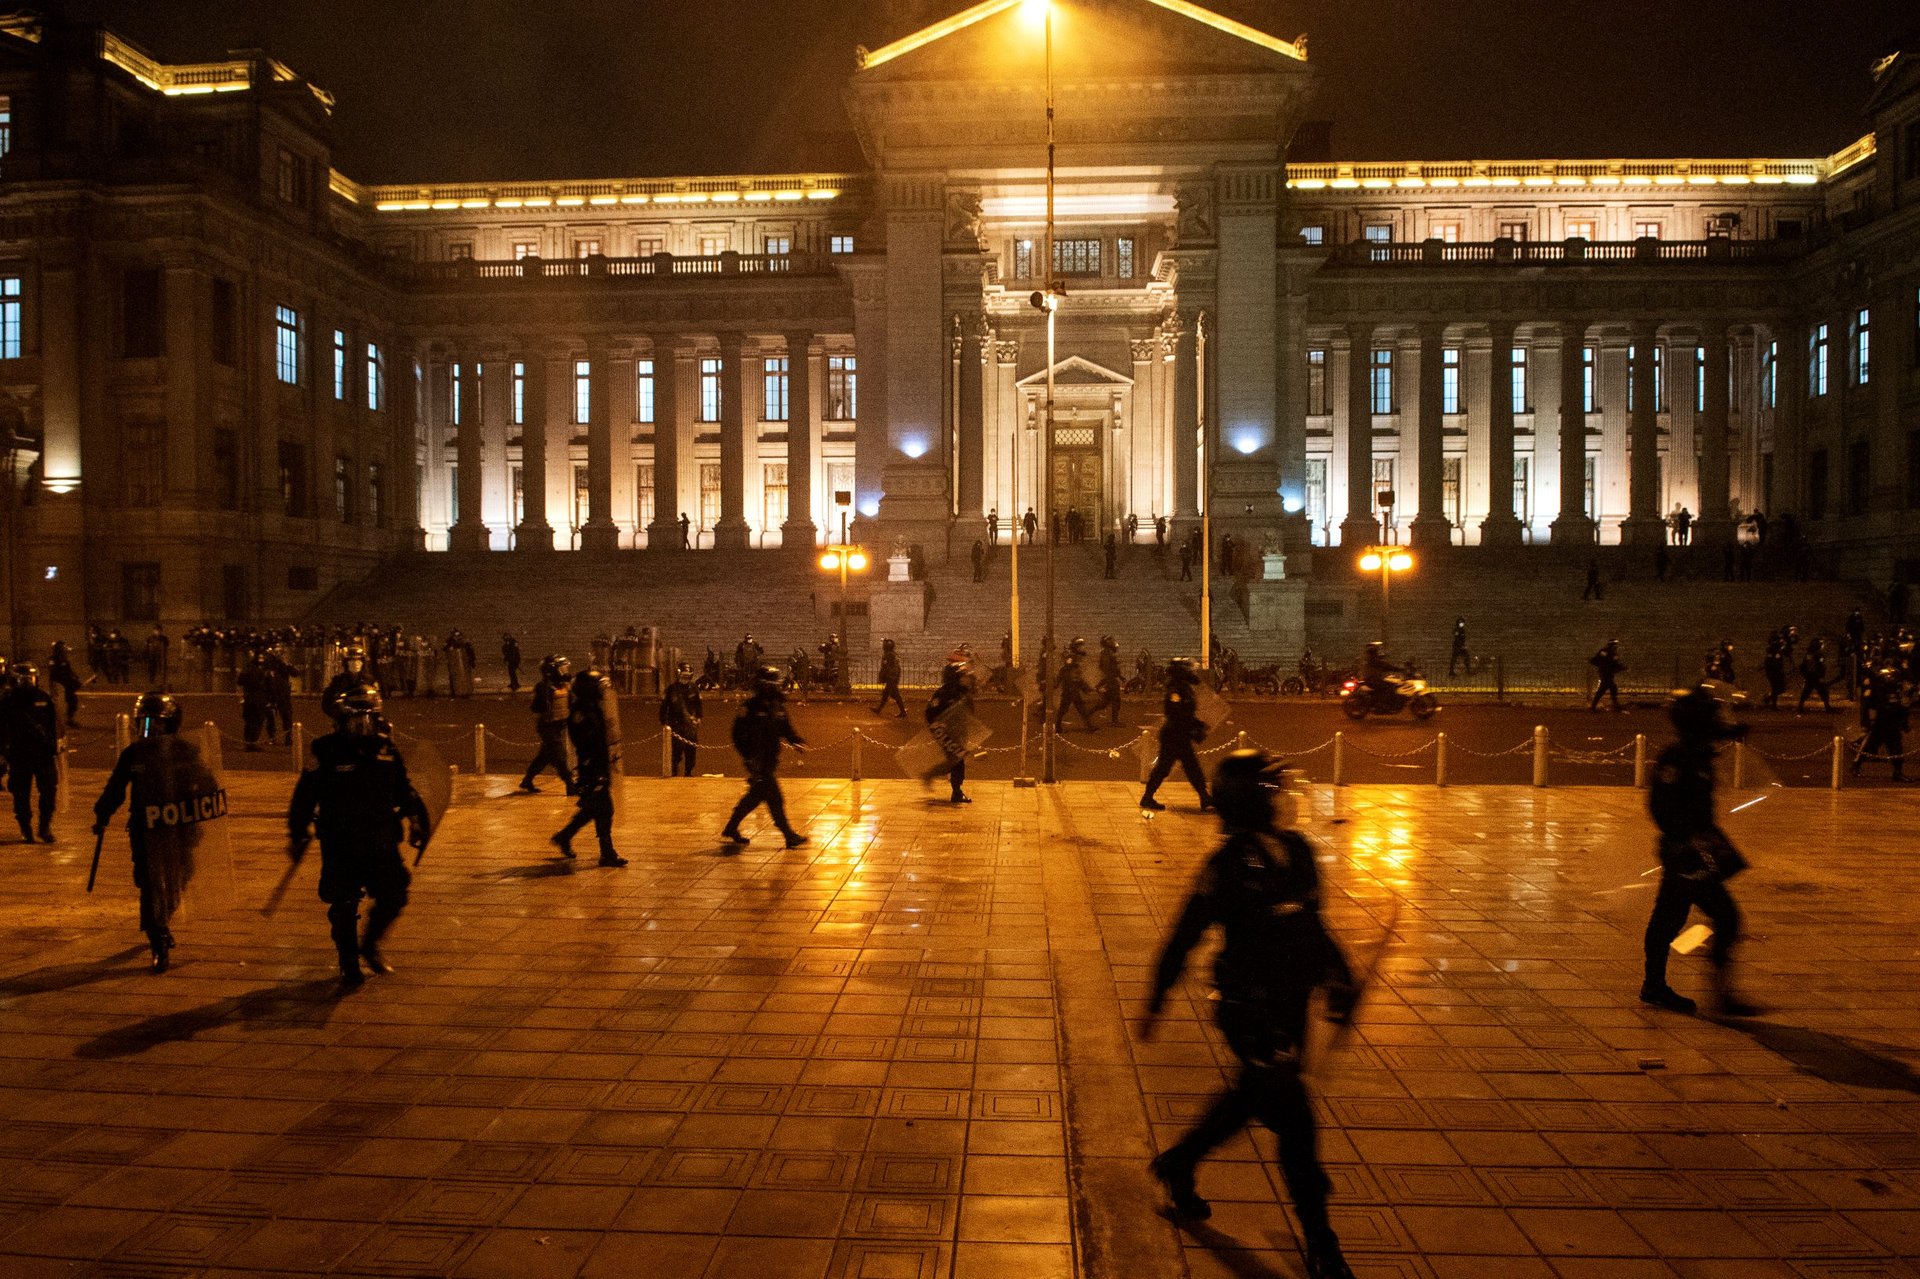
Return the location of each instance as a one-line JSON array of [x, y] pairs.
[[280, 890], [99, 842]]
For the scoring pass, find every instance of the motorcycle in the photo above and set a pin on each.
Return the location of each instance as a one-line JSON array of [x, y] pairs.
[[1358, 701]]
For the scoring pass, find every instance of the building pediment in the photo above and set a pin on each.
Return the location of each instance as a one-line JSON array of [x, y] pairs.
[[1075, 371]]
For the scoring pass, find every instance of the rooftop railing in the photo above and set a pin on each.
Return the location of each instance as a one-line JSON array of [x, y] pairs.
[[1576, 252], [659, 265]]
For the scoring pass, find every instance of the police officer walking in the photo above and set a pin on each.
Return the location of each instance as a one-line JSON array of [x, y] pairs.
[[172, 793], [1110, 678], [1072, 685], [510, 654], [759, 731], [1696, 857], [1813, 676], [955, 691], [550, 698], [30, 741], [1180, 731], [593, 726], [680, 714], [356, 793], [1262, 887], [1608, 665], [889, 680], [1889, 730]]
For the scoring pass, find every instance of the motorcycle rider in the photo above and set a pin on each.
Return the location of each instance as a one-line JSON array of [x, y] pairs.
[[1380, 676], [1180, 731]]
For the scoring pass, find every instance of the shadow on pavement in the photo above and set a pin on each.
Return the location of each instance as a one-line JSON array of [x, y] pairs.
[[538, 870], [1231, 1253], [1836, 1059], [310, 1002], [45, 981]]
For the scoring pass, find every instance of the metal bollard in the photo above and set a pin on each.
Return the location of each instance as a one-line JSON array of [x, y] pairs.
[[62, 792], [1440, 760], [210, 746], [1240, 740], [1639, 761], [1339, 759], [1839, 762], [122, 733], [856, 756], [1739, 765], [299, 747], [666, 751], [480, 749], [1540, 755], [1147, 759]]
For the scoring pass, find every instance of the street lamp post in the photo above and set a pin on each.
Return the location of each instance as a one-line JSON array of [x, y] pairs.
[[843, 559], [1206, 492], [1386, 560], [1052, 305]]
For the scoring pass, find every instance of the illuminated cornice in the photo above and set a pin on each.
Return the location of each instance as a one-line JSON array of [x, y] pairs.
[[1604, 175], [866, 59], [21, 26], [671, 194], [193, 78]]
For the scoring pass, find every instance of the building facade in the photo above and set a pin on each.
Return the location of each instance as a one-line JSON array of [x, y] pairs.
[[234, 377]]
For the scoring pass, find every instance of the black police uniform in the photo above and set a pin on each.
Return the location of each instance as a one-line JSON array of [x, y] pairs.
[[1109, 685], [1696, 859], [356, 793], [151, 774], [30, 736], [550, 699], [758, 734], [680, 714], [890, 681], [1263, 888], [596, 754], [950, 694], [1180, 731], [1072, 692]]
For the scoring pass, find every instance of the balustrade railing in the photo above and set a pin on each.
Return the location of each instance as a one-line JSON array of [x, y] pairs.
[[657, 265], [1564, 252]]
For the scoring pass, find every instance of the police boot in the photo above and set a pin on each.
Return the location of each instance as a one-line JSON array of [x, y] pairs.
[[1324, 1259], [378, 921], [347, 943], [1151, 804], [162, 944], [26, 830], [46, 830], [1726, 1001], [1665, 996], [1175, 1173]]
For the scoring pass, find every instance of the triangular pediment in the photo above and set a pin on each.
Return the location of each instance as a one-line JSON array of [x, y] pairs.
[[1077, 371]]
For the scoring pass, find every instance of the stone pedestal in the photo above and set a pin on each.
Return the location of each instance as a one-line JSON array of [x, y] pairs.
[[1500, 529], [1277, 612], [896, 608], [1431, 532], [899, 568], [1643, 533], [600, 537], [1273, 567], [468, 539]]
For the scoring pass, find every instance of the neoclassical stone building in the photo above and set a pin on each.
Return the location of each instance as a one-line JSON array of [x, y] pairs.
[[234, 377]]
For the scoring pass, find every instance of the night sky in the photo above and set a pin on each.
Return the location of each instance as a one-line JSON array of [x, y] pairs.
[[439, 90]]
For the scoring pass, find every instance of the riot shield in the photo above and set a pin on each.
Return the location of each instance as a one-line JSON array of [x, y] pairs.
[[178, 805], [1209, 707], [459, 674], [616, 770], [1025, 686], [956, 734], [432, 780]]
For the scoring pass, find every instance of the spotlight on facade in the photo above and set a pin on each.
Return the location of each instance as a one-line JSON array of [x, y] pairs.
[[1246, 443], [914, 447]]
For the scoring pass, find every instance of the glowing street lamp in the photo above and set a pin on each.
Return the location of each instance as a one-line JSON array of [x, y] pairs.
[[1386, 561], [843, 559]]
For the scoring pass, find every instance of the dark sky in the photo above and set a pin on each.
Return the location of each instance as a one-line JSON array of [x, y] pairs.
[[438, 90]]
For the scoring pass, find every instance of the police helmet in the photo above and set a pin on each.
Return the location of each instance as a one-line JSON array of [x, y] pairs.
[[25, 674], [1246, 789], [1704, 713], [886, 643], [768, 679], [1108, 641], [683, 671], [590, 687], [953, 673], [1078, 647], [355, 660], [1183, 670], [1375, 648], [154, 715], [556, 666], [360, 712]]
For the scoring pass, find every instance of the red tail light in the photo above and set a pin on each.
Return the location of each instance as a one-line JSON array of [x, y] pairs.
[[1349, 686]]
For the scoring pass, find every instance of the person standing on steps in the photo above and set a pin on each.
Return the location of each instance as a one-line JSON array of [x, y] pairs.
[[1030, 523], [1593, 590], [1460, 652], [759, 732], [593, 726], [1180, 731], [510, 655], [979, 554], [1262, 887], [680, 715], [356, 792], [1696, 857], [1110, 548], [950, 703], [993, 527], [686, 532], [1186, 561], [550, 708], [889, 680], [1607, 664]]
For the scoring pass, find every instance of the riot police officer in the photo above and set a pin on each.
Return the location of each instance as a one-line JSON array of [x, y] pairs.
[[593, 726], [680, 715], [1262, 887], [30, 738], [1072, 685], [951, 701], [1110, 678], [759, 731], [889, 679], [1180, 731], [356, 792], [550, 697], [353, 676], [173, 793], [1696, 857]]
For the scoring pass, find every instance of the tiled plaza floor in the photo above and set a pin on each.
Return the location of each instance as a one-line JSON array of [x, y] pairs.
[[911, 1051]]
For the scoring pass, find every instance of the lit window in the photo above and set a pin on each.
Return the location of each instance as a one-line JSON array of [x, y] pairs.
[[1380, 370], [9, 317], [712, 246], [376, 377], [1770, 375], [1517, 376], [1580, 229], [1862, 347], [454, 397], [1023, 259], [586, 248], [778, 245], [288, 338], [6, 124], [1589, 379], [517, 393], [339, 364], [1450, 380], [643, 390], [648, 245], [292, 178], [1646, 230], [582, 392], [1076, 257], [1817, 361], [774, 383], [710, 390], [1699, 379], [1379, 233], [1513, 230], [525, 249], [1123, 257], [840, 244], [1313, 234], [1446, 232], [842, 389], [460, 251], [1317, 382]]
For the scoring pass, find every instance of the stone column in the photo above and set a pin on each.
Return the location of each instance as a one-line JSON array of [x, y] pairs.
[[973, 334], [1186, 431], [1431, 527], [730, 530], [469, 532], [1710, 524], [1360, 527], [1573, 527], [799, 530], [599, 533], [1643, 525], [534, 533], [403, 462], [1790, 478], [1502, 526], [664, 533]]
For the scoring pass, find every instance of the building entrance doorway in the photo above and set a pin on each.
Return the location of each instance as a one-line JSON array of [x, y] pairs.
[[1077, 487]]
